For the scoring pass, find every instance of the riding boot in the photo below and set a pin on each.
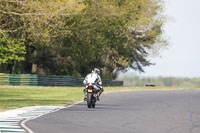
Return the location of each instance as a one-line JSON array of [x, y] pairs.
[[101, 91], [98, 96]]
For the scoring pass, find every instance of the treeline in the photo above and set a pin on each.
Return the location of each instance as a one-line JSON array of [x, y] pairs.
[[161, 81], [70, 37]]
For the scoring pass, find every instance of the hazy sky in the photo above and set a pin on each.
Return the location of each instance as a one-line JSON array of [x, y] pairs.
[[182, 58]]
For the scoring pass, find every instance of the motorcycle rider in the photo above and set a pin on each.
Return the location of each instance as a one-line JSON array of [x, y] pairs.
[[93, 77]]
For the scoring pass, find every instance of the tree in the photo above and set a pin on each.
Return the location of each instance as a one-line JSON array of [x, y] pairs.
[[70, 37], [38, 24], [12, 51], [116, 35]]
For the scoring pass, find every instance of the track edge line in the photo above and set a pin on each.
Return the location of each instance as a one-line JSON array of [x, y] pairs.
[[28, 130]]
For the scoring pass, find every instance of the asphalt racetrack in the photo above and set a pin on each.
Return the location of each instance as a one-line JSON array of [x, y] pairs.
[[176, 111]]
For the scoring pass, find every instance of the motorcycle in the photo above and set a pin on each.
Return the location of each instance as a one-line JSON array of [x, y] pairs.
[[92, 94]]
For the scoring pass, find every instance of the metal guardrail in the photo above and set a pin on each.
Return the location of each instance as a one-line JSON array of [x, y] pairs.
[[50, 80], [19, 79]]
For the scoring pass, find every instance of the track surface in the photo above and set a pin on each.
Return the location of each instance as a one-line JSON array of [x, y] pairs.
[[128, 112]]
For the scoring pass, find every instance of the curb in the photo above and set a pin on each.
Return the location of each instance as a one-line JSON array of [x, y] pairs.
[[12, 122], [28, 130]]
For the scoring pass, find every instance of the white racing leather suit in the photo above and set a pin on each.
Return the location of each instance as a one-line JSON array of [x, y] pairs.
[[93, 78]]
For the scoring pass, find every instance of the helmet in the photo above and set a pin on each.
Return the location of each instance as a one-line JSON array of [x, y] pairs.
[[96, 70]]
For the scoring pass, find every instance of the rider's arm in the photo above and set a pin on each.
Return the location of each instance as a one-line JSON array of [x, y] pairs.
[[99, 80], [85, 80]]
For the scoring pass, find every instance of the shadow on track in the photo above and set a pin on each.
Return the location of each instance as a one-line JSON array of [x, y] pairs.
[[99, 107]]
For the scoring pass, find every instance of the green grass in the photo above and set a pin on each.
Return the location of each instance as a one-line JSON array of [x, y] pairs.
[[12, 97], [15, 97]]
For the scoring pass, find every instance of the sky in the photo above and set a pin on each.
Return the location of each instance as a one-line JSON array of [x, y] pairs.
[[182, 58]]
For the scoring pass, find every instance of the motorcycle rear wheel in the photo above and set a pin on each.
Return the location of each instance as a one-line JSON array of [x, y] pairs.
[[89, 100], [93, 105]]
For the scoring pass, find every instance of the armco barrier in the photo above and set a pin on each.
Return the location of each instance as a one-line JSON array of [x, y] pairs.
[[59, 81], [50, 80], [18, 79]]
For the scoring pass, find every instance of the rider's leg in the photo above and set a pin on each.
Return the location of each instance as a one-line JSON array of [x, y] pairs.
[[101, 90], [98, 89]]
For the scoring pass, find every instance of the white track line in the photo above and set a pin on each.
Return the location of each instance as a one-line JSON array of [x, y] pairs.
[[23, 123]]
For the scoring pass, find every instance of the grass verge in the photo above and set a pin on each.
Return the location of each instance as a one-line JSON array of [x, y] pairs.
[[12, 97]]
